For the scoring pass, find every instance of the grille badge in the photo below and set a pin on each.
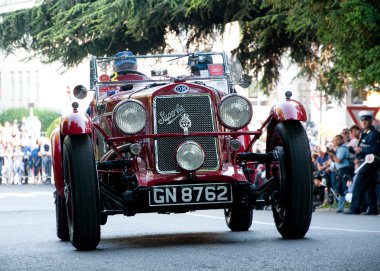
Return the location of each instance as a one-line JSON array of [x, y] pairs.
[[181, 89], [185, 123], [172, 115]]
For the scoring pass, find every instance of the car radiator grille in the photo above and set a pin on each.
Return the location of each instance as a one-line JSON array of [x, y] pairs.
[[168, 112]]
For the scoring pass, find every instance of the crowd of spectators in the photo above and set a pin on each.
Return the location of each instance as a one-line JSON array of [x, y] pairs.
[[337, 169], [25, 157]]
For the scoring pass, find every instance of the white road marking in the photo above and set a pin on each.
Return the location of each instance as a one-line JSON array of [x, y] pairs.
[[207, 216], [25, 195], [349, 230], [272, 224]]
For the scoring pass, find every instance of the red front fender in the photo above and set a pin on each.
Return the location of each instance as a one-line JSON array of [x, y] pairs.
[[76, 123], [289, 110]]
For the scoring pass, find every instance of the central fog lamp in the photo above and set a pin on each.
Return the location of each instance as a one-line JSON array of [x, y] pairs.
[[190, 156]]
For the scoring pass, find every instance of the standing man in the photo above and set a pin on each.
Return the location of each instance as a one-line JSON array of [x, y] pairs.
[[341, 158], [355, 136], [369, 143], [324, 167], [46, 160]]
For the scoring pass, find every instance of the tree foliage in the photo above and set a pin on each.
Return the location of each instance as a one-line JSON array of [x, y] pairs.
[[336, 42], [45, 116], [53, 125]]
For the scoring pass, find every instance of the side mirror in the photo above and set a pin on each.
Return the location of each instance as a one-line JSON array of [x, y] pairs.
[[159, 72], [80, 92], [245, 80]]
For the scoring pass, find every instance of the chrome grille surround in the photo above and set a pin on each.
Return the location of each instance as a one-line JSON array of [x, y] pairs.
[[168, 111]]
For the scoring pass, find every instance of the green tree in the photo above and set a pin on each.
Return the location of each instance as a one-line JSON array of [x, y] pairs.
[[54, 124], [45, 116], [336, 42]]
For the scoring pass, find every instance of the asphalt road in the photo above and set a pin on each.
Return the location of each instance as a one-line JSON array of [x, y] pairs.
[[192, 241]]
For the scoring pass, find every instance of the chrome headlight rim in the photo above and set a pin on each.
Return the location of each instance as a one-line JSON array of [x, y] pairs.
[[224, 99], [195, 144], [120, 104]]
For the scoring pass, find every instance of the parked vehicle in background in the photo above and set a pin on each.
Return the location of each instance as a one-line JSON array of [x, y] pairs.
[[173, 137]]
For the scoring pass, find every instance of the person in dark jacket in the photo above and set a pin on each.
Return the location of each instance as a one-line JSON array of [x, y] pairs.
[[365, 184]]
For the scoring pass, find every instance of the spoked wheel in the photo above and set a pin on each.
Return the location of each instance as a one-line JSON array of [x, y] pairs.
[[61, 218], [238, 219], [292, 197], [81, 192]]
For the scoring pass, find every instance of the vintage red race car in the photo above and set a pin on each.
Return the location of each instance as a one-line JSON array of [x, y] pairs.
[[173, 137]]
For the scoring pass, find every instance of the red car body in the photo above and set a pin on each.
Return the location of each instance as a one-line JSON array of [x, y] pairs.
[[184, 116]]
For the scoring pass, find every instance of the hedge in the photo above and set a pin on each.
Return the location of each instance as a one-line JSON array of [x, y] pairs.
[[45, 116]]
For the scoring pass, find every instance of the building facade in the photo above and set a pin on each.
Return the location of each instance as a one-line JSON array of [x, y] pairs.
[[34, 84]]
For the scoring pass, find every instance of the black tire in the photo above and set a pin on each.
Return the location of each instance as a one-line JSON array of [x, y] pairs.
[[103, 219], [238, 219], [61, 218], [82, 192], [292, 200]]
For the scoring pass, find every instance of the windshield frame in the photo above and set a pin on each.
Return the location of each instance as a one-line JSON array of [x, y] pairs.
[[96, 84]]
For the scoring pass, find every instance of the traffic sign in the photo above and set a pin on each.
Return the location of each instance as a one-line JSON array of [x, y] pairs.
[[354, 110]]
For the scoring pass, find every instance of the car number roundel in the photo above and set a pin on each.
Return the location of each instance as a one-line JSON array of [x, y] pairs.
[[104, 78], [181, 89]]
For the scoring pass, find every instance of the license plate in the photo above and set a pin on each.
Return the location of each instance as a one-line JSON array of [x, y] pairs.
[[190, 194]]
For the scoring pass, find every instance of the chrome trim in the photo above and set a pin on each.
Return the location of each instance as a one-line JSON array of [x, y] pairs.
[[187, 142], [228, 97], [216, 141], [117, 106]]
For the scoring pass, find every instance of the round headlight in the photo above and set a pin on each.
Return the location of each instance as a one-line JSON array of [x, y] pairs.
[[235, 111], [190, 156], [129, 116]]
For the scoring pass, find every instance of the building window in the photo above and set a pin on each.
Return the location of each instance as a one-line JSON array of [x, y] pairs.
[[20, 91], [13, 86], [28, 86], [37, 90]]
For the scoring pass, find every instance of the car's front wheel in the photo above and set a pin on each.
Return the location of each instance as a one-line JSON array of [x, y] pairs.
[[81, 192], [292, 196], [238, 219]]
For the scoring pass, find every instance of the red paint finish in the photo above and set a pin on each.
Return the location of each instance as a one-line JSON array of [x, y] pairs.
[[289, 110], [228, 174], [57, 162], [76, 123], [128, 77]]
